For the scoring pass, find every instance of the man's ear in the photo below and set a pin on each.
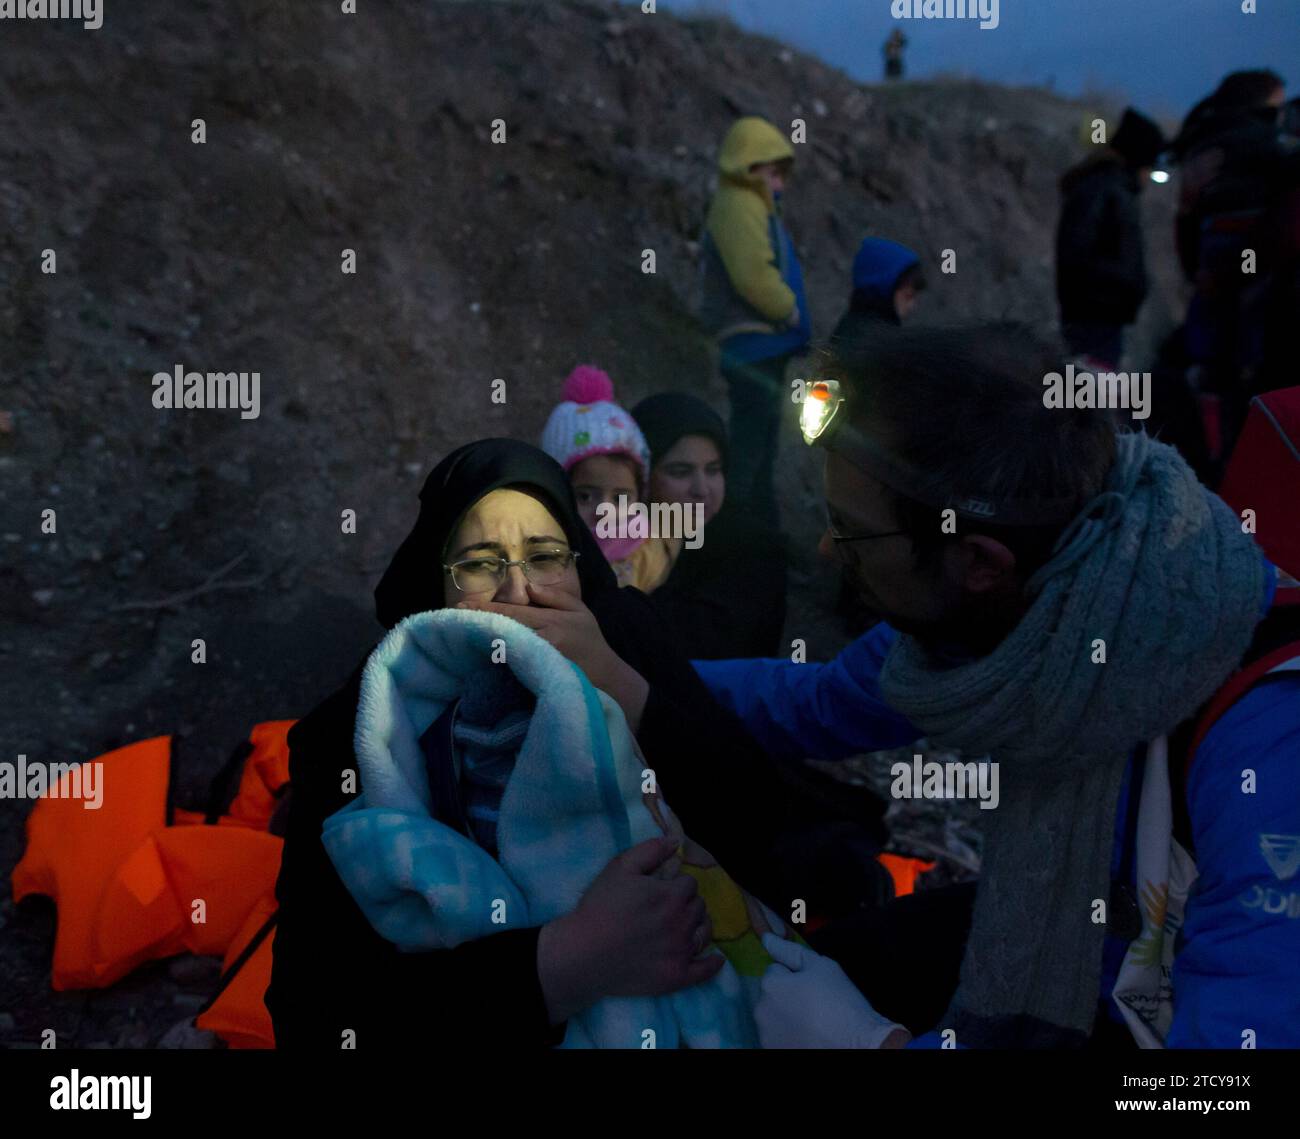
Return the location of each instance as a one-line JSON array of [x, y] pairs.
[[987, 566]]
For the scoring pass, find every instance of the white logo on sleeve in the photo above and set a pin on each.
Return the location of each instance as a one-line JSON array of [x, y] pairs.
[[1282, 853]]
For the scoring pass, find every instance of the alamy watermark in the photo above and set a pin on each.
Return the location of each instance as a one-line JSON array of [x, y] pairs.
[[89, 12], [658, 520], [953, 780], [22, 780], [179, 388], [75, 1092], [1129, 390], [986, 11]]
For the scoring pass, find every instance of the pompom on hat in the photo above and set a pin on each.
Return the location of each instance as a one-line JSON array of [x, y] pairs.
[[589, 422]]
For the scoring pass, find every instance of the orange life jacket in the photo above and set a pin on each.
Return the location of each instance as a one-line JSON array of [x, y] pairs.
[[136, 880], [904, 871], [237, 1011]]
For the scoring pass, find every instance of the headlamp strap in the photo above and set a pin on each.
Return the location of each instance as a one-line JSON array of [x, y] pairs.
[[906, 479]]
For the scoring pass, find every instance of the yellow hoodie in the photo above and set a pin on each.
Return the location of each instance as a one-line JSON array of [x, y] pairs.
[[738, 217]]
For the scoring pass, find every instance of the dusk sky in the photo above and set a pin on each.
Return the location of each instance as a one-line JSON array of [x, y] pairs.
[[1162, 55]]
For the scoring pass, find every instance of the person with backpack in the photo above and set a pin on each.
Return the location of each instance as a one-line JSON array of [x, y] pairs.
[[1236, 166], [1108, 632], [1227, 151], [752, 301], [1101, 277]]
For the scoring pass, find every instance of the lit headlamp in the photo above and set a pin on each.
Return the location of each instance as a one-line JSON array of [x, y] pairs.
[[821, 404]]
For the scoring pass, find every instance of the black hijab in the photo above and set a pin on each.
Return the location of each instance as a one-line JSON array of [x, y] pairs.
[[413, 581], [726, 598], [666, 417]]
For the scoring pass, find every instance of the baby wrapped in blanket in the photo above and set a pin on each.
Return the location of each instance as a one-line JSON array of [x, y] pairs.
[[508, 826]]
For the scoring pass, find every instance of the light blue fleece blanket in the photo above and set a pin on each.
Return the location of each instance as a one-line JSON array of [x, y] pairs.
[[573, 801]]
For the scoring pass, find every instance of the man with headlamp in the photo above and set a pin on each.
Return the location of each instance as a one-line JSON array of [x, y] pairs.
[[1062, 599]]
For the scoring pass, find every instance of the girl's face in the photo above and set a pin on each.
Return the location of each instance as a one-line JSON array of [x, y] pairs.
[[512, 525], [599, 479], [690, 471]]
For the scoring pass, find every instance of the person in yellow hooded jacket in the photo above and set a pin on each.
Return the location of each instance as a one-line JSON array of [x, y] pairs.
[[753, 300]]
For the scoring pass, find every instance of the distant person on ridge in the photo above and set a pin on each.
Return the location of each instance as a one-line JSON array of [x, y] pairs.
[[893, 52], [753, 300], [1101, 278]]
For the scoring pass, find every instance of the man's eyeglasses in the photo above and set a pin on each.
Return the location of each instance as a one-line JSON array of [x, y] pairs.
[[479, 575], [836, 536]]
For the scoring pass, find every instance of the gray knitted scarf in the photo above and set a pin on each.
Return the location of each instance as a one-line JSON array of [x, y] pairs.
[[1158, 569]]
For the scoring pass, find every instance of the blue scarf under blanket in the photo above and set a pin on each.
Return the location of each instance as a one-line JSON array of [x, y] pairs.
[[572, 801]]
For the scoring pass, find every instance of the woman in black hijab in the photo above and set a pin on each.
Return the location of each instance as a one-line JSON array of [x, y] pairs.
[[725, 598], [334, 974]]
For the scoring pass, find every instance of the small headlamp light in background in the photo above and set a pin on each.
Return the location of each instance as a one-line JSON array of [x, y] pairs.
[[1165, 161], [820, 404]]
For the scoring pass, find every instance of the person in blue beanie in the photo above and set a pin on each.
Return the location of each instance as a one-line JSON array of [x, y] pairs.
[[887, 283]]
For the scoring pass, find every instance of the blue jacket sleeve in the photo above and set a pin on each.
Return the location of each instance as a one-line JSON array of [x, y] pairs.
[[1236, 969], [813, 711]]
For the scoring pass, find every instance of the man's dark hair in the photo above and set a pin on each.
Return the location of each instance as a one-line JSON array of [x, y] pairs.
[[1245, 89], [965, 406]]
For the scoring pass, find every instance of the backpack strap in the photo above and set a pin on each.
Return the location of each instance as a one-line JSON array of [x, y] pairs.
[[1279, 664], [1274, 654]]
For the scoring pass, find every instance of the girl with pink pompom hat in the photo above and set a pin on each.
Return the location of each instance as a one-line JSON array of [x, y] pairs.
[[600, 446]]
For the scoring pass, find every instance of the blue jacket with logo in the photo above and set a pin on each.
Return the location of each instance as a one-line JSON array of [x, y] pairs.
[[1238, 965]]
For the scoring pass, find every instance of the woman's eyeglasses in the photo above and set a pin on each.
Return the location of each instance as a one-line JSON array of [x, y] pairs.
[[479, 575]]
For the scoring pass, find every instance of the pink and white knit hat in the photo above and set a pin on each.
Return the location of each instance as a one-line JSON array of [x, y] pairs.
[[589, 422]]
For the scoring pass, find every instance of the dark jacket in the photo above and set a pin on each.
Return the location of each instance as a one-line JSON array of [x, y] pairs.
[[1233, 162], [877, 269], [332, 972], [1100, 263], [868, 315], [727, 598]]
